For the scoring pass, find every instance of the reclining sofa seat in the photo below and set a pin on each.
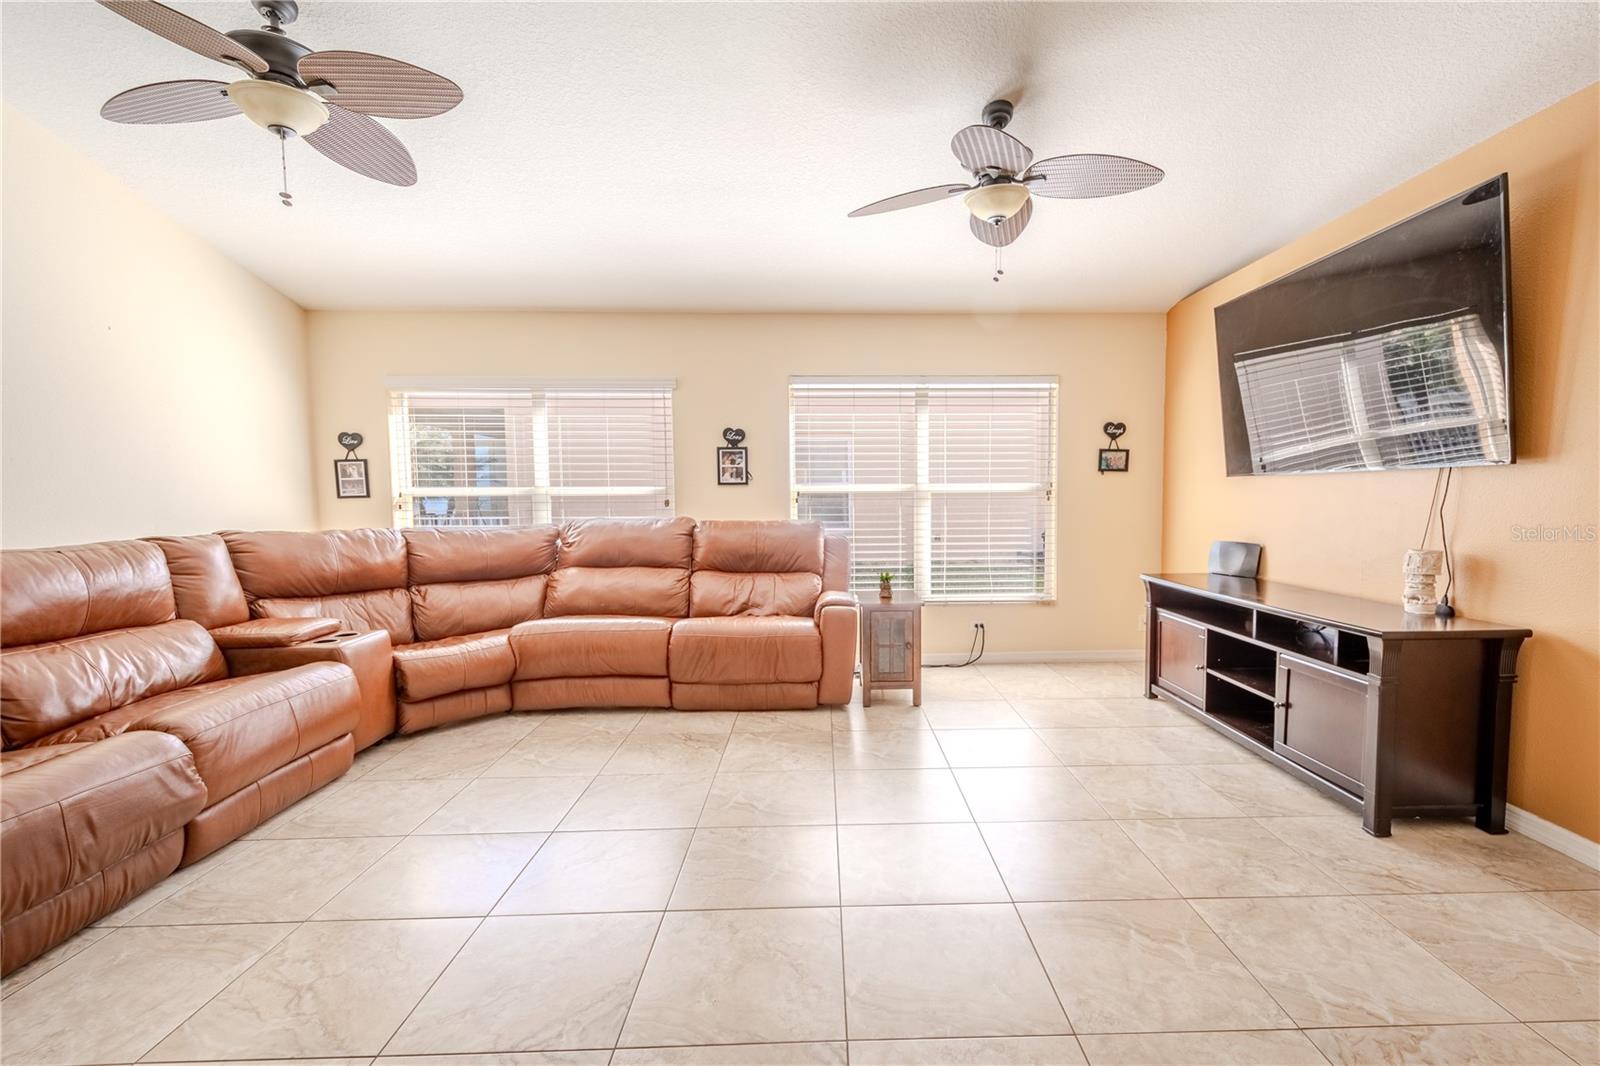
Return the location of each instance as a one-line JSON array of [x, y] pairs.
[[765, 632], [128, 748], [468, 588], [617, 588]]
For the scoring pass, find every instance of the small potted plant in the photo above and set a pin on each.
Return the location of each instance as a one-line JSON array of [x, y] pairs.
[[886, 584]]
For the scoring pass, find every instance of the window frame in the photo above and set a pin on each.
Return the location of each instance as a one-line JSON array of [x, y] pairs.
[[525, 415], [923, 491]]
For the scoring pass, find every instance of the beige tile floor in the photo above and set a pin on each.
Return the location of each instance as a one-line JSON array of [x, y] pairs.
[[1036, 867]]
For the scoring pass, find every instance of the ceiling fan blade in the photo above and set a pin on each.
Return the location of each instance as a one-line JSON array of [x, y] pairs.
[[985, 148], [1008, 231], [181, 29], [1083, 177], [375, 85], [170, 101], [357, 142], [909, 199]]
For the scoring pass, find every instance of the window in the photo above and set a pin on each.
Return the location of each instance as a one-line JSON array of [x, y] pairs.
[[528, 454], [1425, 393], [948, 484]]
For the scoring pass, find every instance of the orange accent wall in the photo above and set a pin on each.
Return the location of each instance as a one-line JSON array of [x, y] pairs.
[[1346, 532]]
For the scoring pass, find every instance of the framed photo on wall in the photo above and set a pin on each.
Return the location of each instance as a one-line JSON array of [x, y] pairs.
[[350, 479], [733, 467], [1114, 460]]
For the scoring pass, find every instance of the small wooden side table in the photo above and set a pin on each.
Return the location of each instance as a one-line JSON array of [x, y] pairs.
[[891, 646]]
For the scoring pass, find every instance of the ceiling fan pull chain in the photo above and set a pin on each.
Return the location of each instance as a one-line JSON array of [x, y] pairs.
[[999, 270], [284, 196]]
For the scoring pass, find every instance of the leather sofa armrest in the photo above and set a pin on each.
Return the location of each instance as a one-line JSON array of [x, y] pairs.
[[834, 599], [369, 654], [837, 619], [273, 632]]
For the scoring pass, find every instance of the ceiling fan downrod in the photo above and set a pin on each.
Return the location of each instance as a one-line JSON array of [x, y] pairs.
[[284, 196]]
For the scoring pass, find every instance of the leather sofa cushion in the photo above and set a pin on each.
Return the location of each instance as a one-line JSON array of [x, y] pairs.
[[745, 650], [627, 590], [758, 547], [714, 592], [75, 810], [591, 647], [311, 565], [60, 593], [607, 542], [204, 584], [440, 667], [457, 608], [241, 729], [385, 609], [48, 687], [454, 555]]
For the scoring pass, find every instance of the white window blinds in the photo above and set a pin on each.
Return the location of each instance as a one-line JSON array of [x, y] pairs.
[[1424, 393], [946, 483], [528, 454]]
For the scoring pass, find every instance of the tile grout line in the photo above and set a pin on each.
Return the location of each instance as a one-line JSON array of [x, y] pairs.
[[638, 982], [484, 918], [1015, 910], [838, 879]]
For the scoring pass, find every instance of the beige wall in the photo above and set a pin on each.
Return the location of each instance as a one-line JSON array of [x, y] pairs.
[[1346, 532], [733, 370], [149, 384]]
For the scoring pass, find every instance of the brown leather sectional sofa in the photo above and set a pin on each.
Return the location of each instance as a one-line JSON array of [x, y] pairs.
[[160, 698]]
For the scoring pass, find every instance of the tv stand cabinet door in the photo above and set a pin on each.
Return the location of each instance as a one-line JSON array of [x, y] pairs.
[[1181, 657], [1321, 720]]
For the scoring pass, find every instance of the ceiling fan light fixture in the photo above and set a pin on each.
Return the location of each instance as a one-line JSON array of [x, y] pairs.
[[272, 105], [996, 202]]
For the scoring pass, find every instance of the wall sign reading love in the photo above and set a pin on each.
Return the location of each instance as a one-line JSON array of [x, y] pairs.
[[733, 461]]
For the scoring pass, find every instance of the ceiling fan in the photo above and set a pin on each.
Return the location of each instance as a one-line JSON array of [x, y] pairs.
[[326, 98], [1006, 179]]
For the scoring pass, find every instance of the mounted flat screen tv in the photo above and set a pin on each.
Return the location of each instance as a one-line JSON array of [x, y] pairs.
[[1390, 354]]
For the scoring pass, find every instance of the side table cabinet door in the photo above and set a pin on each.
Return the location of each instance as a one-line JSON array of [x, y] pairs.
[[891, 645], [1181, 657]]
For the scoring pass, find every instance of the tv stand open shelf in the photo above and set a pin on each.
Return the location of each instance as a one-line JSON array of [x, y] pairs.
[[1392, 713]]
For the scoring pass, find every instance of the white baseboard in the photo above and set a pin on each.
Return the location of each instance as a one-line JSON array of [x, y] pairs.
[[1551, 835], [1118, 655]]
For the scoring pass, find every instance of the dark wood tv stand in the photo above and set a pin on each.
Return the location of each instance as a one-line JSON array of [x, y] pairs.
[[1392, 713]]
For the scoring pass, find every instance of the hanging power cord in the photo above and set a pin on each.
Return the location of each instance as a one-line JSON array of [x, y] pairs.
[[1444, 610], [979, 641]]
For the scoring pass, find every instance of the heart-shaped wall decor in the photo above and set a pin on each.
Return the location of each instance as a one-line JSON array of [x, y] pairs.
[[1114, 429], [733, 436], [350, 441]]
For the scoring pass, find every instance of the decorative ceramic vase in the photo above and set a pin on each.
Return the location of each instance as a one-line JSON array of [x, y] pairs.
[[1421, 568], [885, 590]]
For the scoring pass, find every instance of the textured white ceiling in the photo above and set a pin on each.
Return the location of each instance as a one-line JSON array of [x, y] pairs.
[[703, 156]]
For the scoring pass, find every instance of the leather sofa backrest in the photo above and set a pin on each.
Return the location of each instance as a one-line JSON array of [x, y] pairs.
[[204, 583], [89, 629], [756, 568], [622, 566], [48, 687], [355, 575], [476, 580], [56, 593]]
